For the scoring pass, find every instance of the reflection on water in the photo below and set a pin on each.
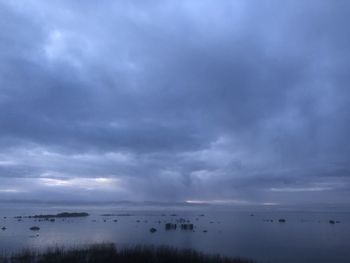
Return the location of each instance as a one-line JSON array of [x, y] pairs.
[[304, 237]]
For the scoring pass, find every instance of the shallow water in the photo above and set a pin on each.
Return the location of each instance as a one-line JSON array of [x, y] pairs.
[[306, 236]]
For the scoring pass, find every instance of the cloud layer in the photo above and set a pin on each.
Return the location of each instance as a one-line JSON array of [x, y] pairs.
[[239, 101]]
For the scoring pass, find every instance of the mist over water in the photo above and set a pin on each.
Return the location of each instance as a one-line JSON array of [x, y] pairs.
[[306, 236]]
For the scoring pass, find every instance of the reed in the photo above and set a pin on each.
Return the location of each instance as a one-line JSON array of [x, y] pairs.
[[108, 253]]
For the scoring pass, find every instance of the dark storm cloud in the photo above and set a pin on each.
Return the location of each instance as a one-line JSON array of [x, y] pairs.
[[243, 101]]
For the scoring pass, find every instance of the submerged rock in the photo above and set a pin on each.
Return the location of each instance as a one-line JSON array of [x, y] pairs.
[[152, 230], [332, 222], [35, 228], [282, 220], [3, 228]]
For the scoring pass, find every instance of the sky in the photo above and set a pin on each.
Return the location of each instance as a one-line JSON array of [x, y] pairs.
[[226, 101]]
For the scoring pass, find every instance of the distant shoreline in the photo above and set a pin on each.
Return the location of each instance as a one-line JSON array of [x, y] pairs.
[[125, 205]]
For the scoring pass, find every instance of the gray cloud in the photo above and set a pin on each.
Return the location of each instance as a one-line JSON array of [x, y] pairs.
[[175, 100]]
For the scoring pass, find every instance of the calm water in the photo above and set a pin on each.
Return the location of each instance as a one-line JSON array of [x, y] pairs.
[[306, 236]]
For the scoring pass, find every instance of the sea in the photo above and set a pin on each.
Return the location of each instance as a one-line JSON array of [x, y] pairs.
[[306, 234]]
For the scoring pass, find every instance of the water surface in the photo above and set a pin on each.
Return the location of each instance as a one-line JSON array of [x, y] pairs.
[[306, 236]]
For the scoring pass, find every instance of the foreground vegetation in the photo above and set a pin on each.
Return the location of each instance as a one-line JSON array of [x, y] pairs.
[[108, 253]]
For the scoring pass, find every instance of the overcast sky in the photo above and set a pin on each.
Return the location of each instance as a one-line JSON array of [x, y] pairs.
[[225, 101]]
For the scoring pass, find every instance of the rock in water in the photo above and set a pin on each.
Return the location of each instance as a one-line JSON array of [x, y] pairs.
[[187, 226], [170, 226]]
